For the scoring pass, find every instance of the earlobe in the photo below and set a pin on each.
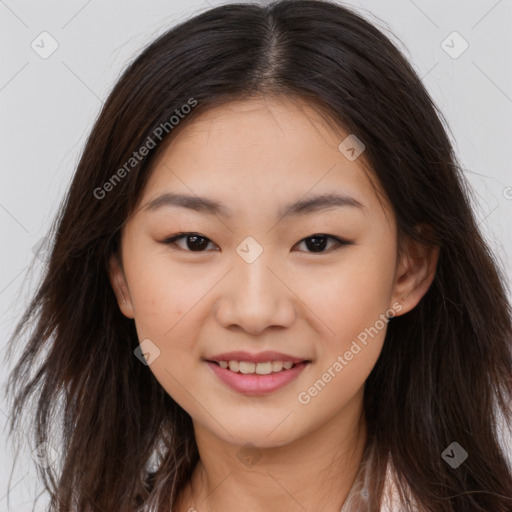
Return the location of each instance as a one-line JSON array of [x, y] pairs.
[[416, 272], [120, 287]]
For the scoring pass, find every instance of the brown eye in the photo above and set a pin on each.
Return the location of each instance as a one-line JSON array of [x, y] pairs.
[[318, 242], [193, 241]]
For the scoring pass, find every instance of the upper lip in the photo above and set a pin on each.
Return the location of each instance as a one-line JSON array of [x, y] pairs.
[[260, 357]]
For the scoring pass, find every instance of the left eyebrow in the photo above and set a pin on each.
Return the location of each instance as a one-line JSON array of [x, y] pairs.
[[319, 203], [212, 207]]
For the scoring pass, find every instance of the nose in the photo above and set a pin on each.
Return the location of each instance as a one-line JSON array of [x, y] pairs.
[[254, 297]]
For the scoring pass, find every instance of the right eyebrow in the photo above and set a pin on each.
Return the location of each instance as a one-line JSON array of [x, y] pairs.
[[196, 203]]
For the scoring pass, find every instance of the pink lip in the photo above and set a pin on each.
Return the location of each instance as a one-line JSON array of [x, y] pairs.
[[253, 384], [261, 357]]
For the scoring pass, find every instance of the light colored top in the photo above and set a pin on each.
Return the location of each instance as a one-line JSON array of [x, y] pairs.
[[358, 497]]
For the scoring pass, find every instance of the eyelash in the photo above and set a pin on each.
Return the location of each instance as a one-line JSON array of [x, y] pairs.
[[339, 241]]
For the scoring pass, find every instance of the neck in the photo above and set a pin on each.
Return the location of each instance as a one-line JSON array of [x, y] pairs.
[[314, 472]]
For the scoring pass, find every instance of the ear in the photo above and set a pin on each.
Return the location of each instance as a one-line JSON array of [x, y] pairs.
[[120, 287], [416, 270]]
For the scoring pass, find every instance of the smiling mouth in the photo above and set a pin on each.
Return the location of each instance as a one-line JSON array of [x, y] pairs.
[[263, 368]]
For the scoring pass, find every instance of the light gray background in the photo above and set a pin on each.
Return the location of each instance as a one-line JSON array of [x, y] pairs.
[[48, 107]]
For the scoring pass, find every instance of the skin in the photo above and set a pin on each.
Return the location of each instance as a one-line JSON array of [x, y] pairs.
[[255, 157]]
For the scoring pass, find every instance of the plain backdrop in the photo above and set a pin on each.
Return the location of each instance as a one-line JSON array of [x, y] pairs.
[[49, 102]]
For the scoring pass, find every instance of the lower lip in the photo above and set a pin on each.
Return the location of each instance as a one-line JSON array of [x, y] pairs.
[[254, 384]]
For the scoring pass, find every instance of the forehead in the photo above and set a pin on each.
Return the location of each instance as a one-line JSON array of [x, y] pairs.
[[260, 152]]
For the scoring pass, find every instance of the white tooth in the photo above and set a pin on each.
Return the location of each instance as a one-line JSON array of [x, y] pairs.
[[287, 365], [223, 364], [264, 368], [246, 367], [277, 366], [233, 366]]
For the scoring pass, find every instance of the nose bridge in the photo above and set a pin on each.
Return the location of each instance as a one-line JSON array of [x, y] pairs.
[[256, 281], [255, 297], [252, 261]]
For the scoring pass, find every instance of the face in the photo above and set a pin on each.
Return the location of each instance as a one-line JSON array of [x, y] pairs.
[[245, 271]]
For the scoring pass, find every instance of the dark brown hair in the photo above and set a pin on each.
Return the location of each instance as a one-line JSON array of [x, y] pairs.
[[444, 373]]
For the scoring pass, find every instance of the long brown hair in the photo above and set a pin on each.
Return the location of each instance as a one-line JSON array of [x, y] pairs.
[[445, 370]]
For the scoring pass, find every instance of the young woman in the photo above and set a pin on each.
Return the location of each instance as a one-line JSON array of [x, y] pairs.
[[267, 290]]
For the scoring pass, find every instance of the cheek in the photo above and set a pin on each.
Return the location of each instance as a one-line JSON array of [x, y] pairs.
[[353, 308], [354, 311], [164, 296], [358, 294], [164, 302]]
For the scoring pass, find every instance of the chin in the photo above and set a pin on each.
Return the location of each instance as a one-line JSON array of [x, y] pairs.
[[258, 435]]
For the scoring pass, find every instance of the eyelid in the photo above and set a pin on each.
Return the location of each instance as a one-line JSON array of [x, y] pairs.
[[340, 242], [171, 239]]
